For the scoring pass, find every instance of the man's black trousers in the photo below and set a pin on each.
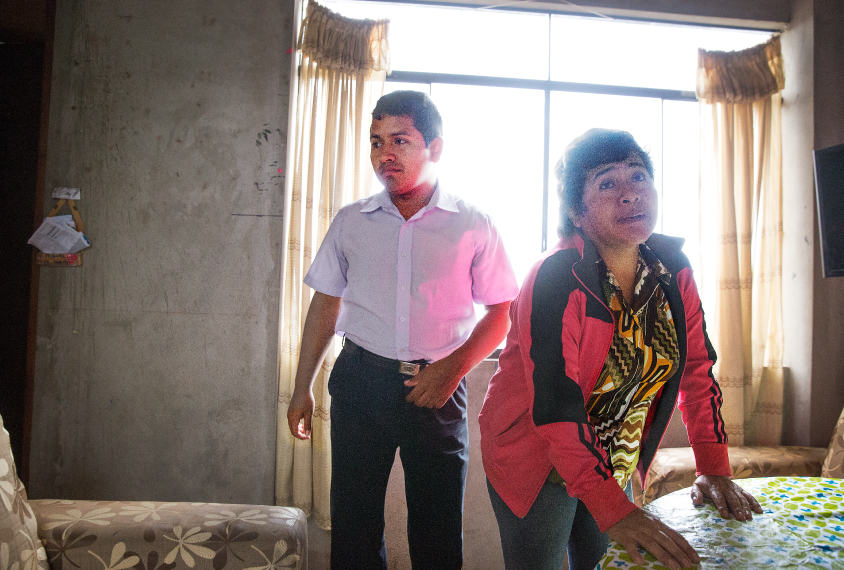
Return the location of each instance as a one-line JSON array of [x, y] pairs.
[[370, 419]]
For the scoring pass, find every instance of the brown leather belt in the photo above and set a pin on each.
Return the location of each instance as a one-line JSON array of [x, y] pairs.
[[408, 368]]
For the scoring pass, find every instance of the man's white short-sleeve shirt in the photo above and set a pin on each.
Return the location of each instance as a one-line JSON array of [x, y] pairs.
[[409, 286]]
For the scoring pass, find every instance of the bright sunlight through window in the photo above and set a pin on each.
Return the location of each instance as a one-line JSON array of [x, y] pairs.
[[514, 88]]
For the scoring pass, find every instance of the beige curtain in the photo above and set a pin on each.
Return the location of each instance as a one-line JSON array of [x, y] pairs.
[[741, 194], [341, 75]]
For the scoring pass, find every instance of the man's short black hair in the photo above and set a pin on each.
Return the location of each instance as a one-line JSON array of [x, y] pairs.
[[416, 105], [590, 150]]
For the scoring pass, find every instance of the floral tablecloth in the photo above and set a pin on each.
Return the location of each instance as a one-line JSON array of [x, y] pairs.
[[802, 526]]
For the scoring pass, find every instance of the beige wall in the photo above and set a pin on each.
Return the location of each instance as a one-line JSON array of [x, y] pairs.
[[813, 118], [798, 221], [828, 302]]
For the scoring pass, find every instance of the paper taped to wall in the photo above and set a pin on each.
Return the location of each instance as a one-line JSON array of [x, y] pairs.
[[63, 192], [58, 235]]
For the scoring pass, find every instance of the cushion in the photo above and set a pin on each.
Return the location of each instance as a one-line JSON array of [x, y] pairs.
[[673, 468], [20, 548], [149, 535], [833, 465]]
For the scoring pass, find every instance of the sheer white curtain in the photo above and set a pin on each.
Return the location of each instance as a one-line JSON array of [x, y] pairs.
[[341, 75], [741, 166]]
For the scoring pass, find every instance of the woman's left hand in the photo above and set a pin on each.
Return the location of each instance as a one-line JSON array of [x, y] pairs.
[[730, 499]]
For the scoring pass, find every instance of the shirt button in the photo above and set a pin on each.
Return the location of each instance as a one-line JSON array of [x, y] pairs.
[[403, 288], [402, 319]]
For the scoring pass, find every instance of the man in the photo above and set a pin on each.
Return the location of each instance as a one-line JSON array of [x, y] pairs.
[[397, 275]]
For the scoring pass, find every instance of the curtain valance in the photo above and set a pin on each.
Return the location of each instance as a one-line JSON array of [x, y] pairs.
[[740, 76], [344, 44]]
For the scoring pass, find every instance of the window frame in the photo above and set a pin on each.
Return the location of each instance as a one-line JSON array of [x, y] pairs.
[[547, 86]]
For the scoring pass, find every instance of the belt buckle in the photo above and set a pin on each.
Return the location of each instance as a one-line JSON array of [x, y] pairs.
[[408, 368]]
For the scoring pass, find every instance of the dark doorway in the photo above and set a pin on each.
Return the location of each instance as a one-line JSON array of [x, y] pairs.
[[21, 66]]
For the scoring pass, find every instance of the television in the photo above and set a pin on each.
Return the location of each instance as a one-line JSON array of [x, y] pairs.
[[829, 189]]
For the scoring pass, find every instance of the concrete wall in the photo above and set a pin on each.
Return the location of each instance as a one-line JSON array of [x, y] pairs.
[[156, 360]]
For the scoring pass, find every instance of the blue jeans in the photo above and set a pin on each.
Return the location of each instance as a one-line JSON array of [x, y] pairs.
[[556, 523], [370, 419]]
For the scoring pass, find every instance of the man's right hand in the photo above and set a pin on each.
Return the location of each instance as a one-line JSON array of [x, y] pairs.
[[299, 414], [316, 338], [640, 528]]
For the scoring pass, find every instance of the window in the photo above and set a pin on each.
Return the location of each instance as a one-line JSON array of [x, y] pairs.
[[514, 88]]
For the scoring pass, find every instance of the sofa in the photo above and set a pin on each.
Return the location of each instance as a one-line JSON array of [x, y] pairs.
[[673, 468], [142, 535]]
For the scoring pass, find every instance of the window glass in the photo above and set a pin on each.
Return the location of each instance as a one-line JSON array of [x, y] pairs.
[[494, 137], [681, 174], [461, 41], [491, 162], [681, 189], [636, 54], [494, 160]]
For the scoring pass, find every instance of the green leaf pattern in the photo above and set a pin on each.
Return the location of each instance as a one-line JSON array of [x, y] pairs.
[[802, 526]]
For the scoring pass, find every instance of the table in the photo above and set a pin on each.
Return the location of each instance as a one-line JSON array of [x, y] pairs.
[[802, 526]]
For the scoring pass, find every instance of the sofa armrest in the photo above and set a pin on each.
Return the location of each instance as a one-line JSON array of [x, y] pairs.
[[118, 535], [673, 468]]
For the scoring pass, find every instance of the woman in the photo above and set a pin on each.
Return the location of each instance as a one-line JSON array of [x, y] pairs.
[[607, 335]]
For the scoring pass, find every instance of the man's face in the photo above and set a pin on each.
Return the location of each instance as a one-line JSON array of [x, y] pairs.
[[402, 161], [619, 204]]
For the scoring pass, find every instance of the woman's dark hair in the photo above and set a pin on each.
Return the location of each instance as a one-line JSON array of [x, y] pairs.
[[591, 149], [416, 105]]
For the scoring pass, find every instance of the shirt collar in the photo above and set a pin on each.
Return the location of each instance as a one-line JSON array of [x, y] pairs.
[[443, 200], [655, 266], [440, 199]]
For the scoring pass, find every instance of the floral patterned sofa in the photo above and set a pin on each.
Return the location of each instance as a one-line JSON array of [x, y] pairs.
[[673, 468], [123, 535]]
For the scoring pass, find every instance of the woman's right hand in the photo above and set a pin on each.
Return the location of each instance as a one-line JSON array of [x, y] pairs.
[[640, 528]]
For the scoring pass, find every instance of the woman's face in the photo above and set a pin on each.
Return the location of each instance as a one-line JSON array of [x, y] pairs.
[[619, 205]]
